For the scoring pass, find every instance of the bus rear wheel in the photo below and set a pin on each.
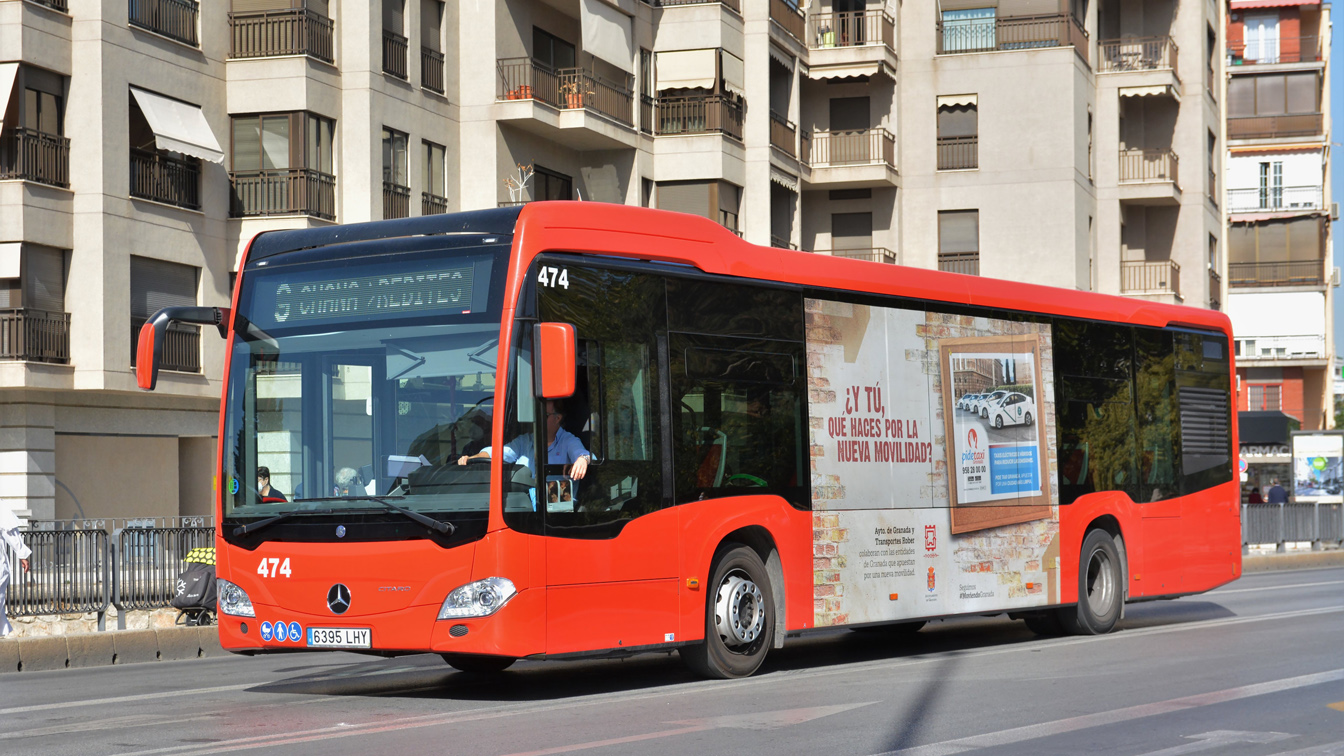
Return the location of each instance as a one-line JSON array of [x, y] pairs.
[[739, 617], [478, 665], [1100, 587]]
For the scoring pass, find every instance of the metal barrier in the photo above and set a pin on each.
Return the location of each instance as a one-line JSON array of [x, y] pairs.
[[69, 572], [149, 562], [1281, 524]]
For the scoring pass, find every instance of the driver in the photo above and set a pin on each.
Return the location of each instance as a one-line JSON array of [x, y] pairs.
[[562, 447]]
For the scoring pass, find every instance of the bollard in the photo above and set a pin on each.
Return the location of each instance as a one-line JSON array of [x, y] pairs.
[[1282, 544]]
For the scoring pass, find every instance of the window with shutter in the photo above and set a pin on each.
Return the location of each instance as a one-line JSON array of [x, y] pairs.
[[156, 284], [43, 279]]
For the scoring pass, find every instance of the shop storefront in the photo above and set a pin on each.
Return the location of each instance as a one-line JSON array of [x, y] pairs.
[[1266, 450]]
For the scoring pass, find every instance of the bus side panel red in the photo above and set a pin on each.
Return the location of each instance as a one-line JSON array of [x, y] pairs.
[[1211, 522], [705, 524], [521, 625], [1074, 520]]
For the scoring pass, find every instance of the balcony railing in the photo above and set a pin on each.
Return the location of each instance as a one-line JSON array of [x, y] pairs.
[[1215, 291], [851, 29], [431, 70], [783, 134], [174, 19], [295, 191], [1307, 346], [564, 88], [779, 242], [788, 15], [35, 335], [646, 105], [1145, 276], [181, 346], [1275, 199], [1149, 165], [836, 148], [1271, 126], [958, 153], [1285, 273], [35, 156], [394, 54], [875, 254], [1138, 54], [163, 178], [1213, 186], [712, 114], [60, 5], [805, 146], [734, 4], [1281, 50], [396, 200], [300, 31], [1013, 33], [432, 204], [959, 262]]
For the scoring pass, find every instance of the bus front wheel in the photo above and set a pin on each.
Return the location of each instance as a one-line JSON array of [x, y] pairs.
[[1100, 587], [739, 617], [479, 665]]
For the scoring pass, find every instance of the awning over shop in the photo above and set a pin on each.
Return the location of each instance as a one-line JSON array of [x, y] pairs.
[[7, 73], [1267, 428], [686, 69], [178, 127], [608, 34], [1242, 4]]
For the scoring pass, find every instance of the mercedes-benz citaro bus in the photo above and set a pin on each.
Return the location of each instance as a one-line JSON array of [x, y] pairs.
[[744, 443]]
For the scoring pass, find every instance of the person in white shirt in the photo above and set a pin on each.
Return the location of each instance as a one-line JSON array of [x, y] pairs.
[[10, 542]]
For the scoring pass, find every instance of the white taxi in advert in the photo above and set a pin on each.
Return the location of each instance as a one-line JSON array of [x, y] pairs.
[[1013, 409]]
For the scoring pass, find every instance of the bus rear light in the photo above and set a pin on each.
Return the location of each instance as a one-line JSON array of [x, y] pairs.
[[479, 599], [234, 600]]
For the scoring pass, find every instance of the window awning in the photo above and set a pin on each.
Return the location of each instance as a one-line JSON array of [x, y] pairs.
[[1241, 4], [608, 34], [178, 127], [734, 76], [952, 101], [1161, 90], [781, 57], [784, 179], [7, 73], [686, 69], [1268, 427]]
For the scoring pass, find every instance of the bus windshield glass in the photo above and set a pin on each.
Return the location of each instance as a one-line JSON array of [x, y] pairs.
[[358, 382]]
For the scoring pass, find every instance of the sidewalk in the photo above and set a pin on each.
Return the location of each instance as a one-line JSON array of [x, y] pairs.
[[1267, 560]]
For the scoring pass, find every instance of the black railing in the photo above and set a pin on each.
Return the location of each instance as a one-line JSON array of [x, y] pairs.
[[789, 16], [1285, 273], [149, 561], [780, 242], [431, 70], [873, 254], [264, 34], [181, 346], [700, 115], [35, 335], [31, 155], [70, 572], [1013, 33], [851, 29], [394, 54], [174, 19], [564, 88], [835, 148], [734, 4], [1138, 54], [959, 262], [646, 104], [783, 134], [1150, 165], [163, 178], [294, 191], [432, 204], [958, 153], [1215, 291], [396, 200], [60, 5]]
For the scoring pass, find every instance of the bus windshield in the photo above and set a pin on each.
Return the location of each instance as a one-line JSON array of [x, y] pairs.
[[359, 383]]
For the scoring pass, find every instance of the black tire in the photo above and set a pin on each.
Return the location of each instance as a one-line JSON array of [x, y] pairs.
[[478, 665], [1044, 623], [739, 616], [1027, 419], [998, 422], [1101, 587]]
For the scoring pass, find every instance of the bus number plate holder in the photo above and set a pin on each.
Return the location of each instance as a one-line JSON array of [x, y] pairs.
[[339, 637]]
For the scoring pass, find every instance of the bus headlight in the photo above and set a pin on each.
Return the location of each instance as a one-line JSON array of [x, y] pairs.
[[479, 599], [233, 600]]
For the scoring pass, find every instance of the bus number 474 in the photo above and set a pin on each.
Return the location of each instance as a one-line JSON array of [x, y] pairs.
[[549, 276], [271, 566]]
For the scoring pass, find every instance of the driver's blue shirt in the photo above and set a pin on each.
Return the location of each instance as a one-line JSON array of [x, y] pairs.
[[564, 450]]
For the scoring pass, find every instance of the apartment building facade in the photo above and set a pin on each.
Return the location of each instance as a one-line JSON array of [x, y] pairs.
[[1077, 143], [1281, 274]]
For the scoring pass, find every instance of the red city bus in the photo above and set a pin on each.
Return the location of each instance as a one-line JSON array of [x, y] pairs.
[[743, 443]]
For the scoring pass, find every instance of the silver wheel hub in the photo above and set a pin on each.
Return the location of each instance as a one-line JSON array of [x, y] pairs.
[[1100, 583], [739, 610]]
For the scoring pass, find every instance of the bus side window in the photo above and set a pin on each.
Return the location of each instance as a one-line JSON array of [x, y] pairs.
[[1095, 409], [1204, 400], [1158, 415]]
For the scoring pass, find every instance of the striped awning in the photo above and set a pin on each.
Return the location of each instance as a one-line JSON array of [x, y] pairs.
[[1241, 4]]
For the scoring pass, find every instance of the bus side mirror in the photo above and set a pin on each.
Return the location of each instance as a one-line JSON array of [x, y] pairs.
[[149, 347], [556, 360]]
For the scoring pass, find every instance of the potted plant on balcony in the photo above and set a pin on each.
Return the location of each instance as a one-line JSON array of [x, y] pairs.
[[572, 94]]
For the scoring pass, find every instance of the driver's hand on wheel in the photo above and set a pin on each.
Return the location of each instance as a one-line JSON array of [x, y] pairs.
[[579, 468], [462, 460]]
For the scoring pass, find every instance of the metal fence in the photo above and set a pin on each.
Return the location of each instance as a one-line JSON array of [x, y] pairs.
[[1281, 524]]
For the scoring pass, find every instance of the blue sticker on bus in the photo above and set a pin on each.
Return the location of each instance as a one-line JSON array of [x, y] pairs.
[[295, 632], [266, 631], [281, 632]]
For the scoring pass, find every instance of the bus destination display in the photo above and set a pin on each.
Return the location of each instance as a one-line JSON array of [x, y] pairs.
[[362, 296]]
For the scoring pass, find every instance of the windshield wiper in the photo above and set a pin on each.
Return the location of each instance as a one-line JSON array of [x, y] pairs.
[[253, 527], [439, 526]]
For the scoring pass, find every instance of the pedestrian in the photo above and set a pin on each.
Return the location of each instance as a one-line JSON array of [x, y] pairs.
[[1276, 493], [1256, 498], [10, 541]]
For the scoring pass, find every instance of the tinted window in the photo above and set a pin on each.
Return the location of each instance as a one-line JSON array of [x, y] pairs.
[[1159, 420], [1095, 409], [1205, 405]]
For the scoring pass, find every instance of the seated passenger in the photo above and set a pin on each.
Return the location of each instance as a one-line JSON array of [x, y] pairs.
[[562, 447], [264, 486]]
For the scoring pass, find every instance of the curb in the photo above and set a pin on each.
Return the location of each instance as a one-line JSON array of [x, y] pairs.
[[103, 649], [1301, 560]]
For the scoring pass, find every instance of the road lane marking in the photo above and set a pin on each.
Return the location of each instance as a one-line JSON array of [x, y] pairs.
[[1207, 741], [1220, 592], [1338, 706], [1329, 749], [1116, 716], [120, 699]]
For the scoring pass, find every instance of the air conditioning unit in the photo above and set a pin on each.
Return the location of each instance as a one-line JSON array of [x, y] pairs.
[[1334, 211], [1334, 277]]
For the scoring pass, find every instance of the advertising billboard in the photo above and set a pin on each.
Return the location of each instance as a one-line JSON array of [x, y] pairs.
[[1318, 467]]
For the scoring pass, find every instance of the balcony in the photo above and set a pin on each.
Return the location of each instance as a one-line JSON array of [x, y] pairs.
[[60, 5], [1285, 273], [1013, 33], [1215, 291], [958, 153], [779, 242], [1138, 54], [394, 54], [1270, 52], [1149, 176], [181, 346], [966, 263], [783, 135], [710, 114], [263, 34], [432, 204], [789, 16], [734, 4], [1150, 277], [874, 254], [852, 159], [1272, 199], [1274, 126], [431, 70], [174, 19], [35, 336], [396, 200], [29, 155], [593, 113], [852, 43], [295, 191], [159, 177], [1307, 347]]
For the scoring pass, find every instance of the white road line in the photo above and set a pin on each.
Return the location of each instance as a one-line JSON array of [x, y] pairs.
[[1273, 588], [1116, 716], [1327, 749]]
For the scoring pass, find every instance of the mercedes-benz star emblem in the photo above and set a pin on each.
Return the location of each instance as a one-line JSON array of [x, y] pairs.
[[338, 599], [340, 531]]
